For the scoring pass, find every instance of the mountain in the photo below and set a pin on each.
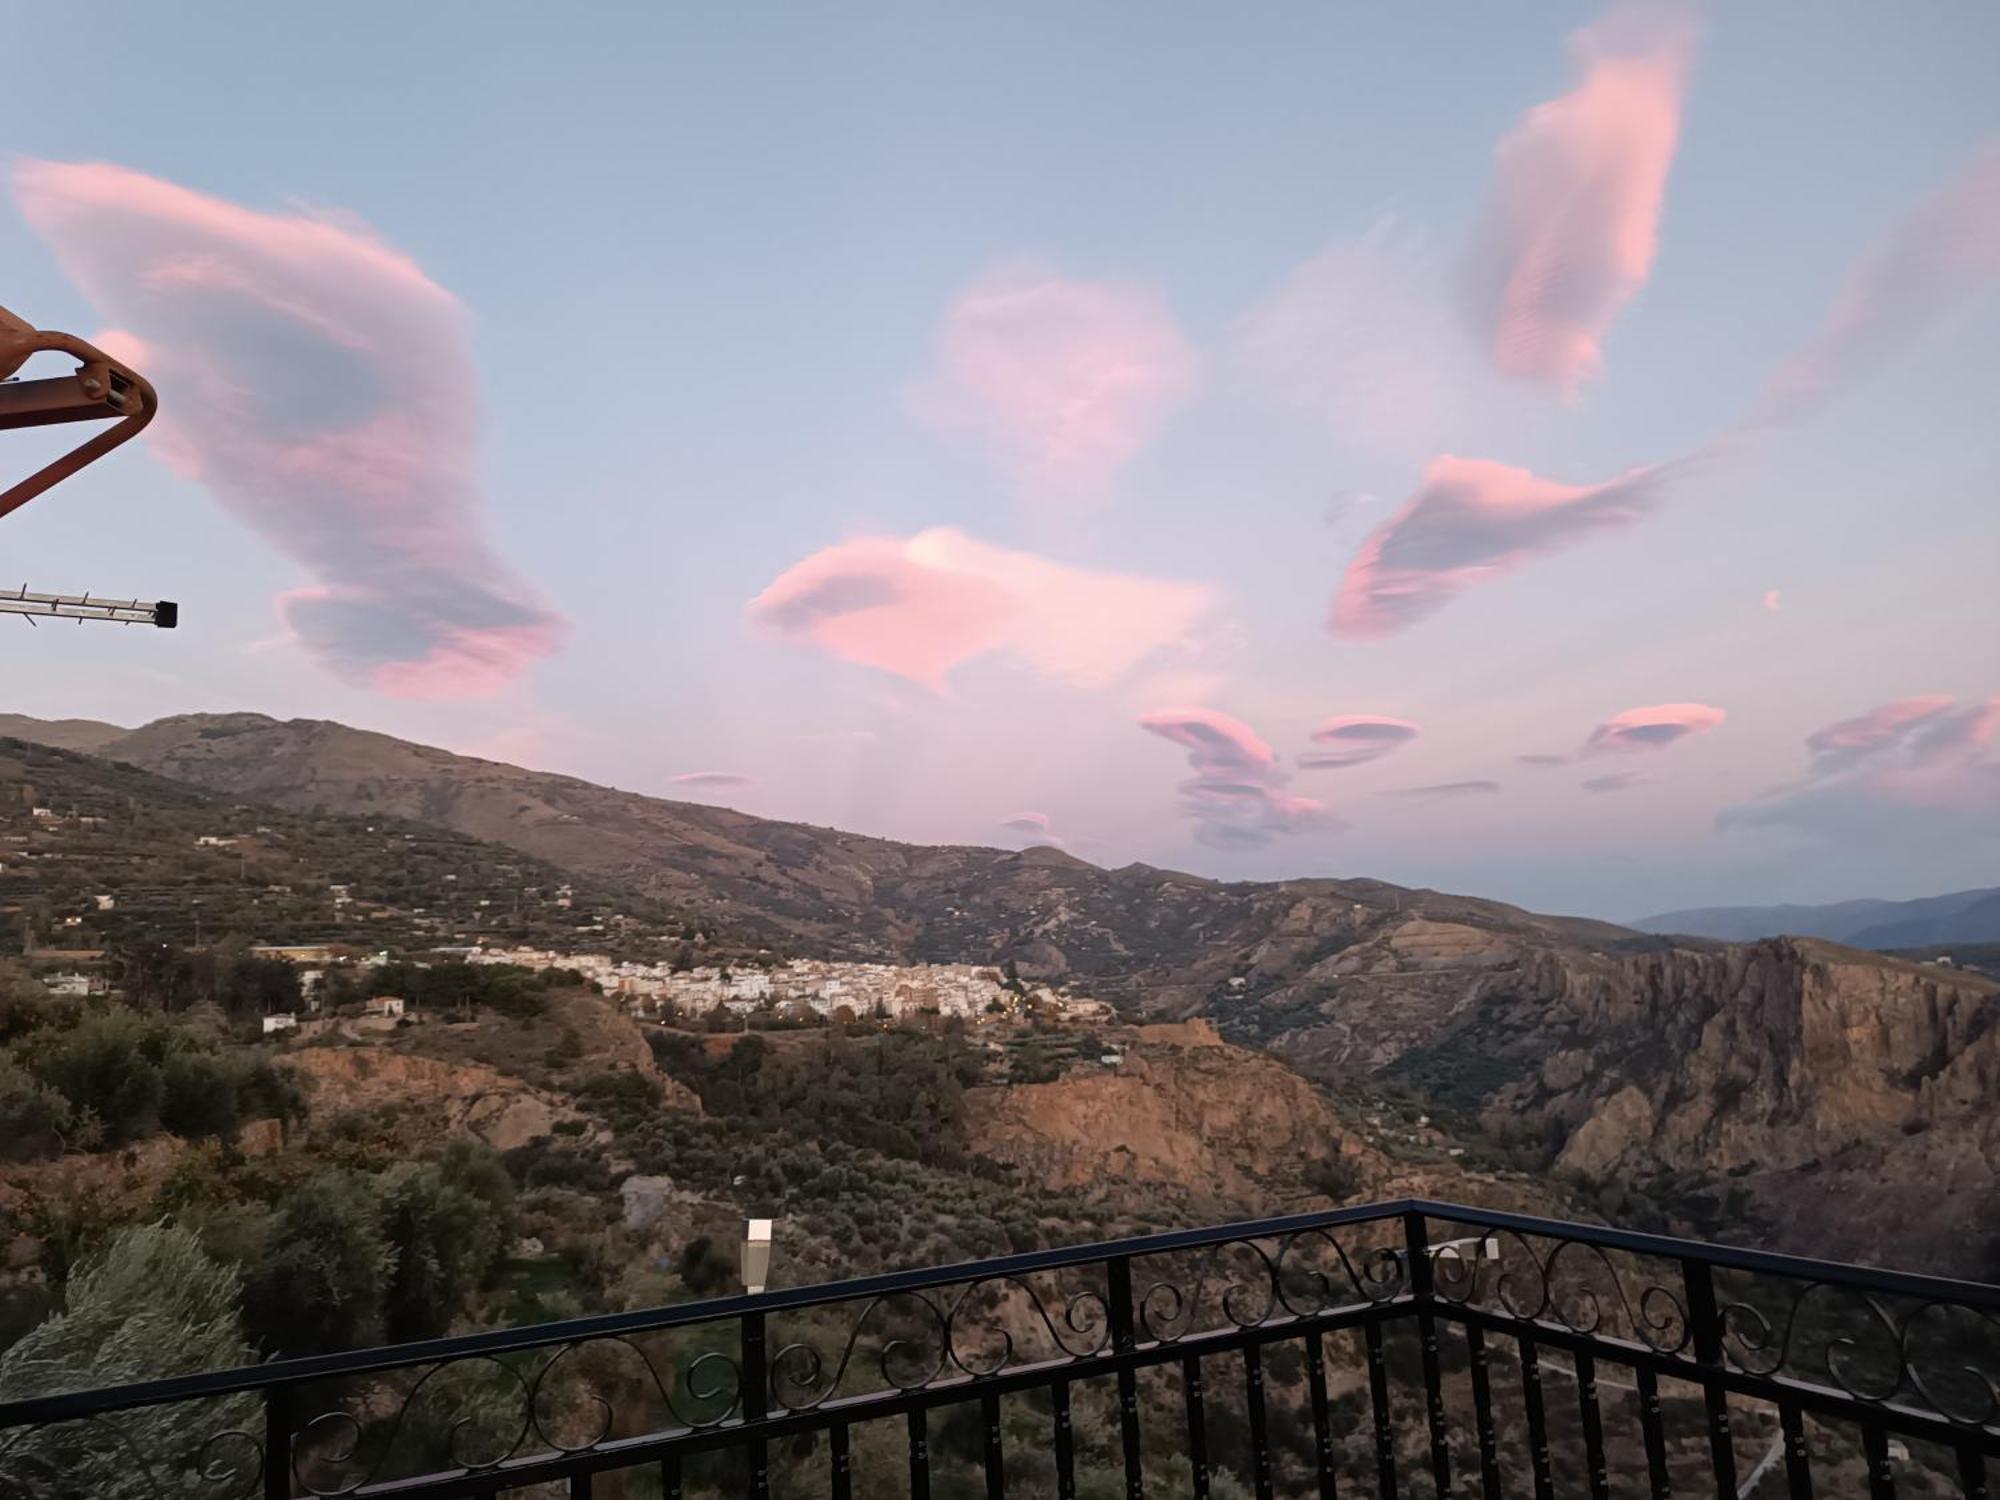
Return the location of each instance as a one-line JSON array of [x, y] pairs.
[[1136, 933], [1742, 1090], [88, 735], [96, 854], [1961, 917]]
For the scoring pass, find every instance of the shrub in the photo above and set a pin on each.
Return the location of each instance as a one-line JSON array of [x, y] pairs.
[[198, 1096], [448, 1225], [109, 1066], [1335, 1177], [152, 1305], [34, 1118], [318, 1284]]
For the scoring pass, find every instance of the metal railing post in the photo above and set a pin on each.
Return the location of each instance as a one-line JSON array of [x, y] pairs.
[[1705, 1326], [756, 1392], [1124, 1339], [278, 1443], [1423, 1290]]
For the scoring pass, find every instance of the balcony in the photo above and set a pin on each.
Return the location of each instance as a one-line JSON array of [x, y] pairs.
[[1407, 1348]]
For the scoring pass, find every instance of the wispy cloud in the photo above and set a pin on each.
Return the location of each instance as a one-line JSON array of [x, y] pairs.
[[1442, 790], [1943, 253], [1543, 761], [1064, 380], [1617, 781], [1362, 338], [323, 390], [923, 605], [1579, 188], [1356, 739], [1471, 520], [1652, 728], [1236, 797], [1915, 771], [1034, 830], [710, 780]]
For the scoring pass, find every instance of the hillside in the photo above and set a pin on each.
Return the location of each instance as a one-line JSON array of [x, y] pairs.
[[98, 855], [1739, 1090], [1166, 937], [1927, 922]]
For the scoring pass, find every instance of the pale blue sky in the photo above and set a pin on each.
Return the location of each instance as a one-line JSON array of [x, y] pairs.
[[709, 253]]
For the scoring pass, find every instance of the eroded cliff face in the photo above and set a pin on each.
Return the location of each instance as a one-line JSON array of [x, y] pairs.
[[1182, 1114], [1849, 1100], [440, 1099], [1854, 1101]]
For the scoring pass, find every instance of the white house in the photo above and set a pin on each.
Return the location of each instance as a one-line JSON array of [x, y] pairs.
[[283, 1021], [390, 1006]]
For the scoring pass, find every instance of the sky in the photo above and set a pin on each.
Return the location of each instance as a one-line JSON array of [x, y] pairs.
[[1541, 452]]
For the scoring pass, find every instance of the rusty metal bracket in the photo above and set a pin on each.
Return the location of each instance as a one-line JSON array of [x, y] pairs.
[[101, 389]]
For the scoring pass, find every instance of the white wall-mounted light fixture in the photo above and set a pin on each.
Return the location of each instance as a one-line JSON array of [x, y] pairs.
[[756, 1253]]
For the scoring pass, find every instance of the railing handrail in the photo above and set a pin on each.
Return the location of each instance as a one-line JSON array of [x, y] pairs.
[[1915, 1284], [74, 1405]]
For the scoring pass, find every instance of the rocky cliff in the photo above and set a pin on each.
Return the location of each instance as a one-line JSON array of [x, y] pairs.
[[1844, 1101], [1179, 1112]]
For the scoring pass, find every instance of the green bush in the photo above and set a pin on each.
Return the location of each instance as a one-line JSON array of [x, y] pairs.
[[317, 1285], [35, 1120], [198, 1096], [449, 1226], [152, 1306], [107, 1066]]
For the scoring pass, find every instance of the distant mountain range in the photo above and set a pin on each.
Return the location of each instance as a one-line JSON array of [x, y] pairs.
[[1928, 922]]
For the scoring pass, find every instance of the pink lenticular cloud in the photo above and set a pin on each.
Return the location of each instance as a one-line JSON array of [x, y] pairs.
[[1236, 797], [922, 606], [1474, 519], [322, 388], [1355, 739], [1579, 187], [1033, 829], [712, 779], [1653, 728], [1917, 770], [1924, 727], [1065, 380], [1945, 252]]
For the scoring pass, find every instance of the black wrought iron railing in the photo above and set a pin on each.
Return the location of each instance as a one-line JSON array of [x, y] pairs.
[[1407, 1348]]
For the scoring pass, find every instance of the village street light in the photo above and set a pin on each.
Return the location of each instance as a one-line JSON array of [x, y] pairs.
[[756, 1253]]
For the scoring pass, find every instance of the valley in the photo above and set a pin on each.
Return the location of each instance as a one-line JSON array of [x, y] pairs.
[[538, 1048], [1737, 1090]]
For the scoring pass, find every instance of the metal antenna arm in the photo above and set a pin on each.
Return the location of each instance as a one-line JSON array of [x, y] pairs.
[[101, 389]]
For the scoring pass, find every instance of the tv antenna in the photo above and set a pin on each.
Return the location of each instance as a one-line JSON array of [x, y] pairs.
[[100, 389]]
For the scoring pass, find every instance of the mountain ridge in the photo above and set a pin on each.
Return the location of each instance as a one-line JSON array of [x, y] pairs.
[[848, 894], [1969, 916]]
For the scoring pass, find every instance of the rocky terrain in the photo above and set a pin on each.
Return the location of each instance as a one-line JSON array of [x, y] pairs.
[[1741, 1090]]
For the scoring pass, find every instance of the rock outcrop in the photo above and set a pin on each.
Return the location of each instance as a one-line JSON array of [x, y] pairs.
[[1847, 1099], [1180, 1112], [438, 1098]]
